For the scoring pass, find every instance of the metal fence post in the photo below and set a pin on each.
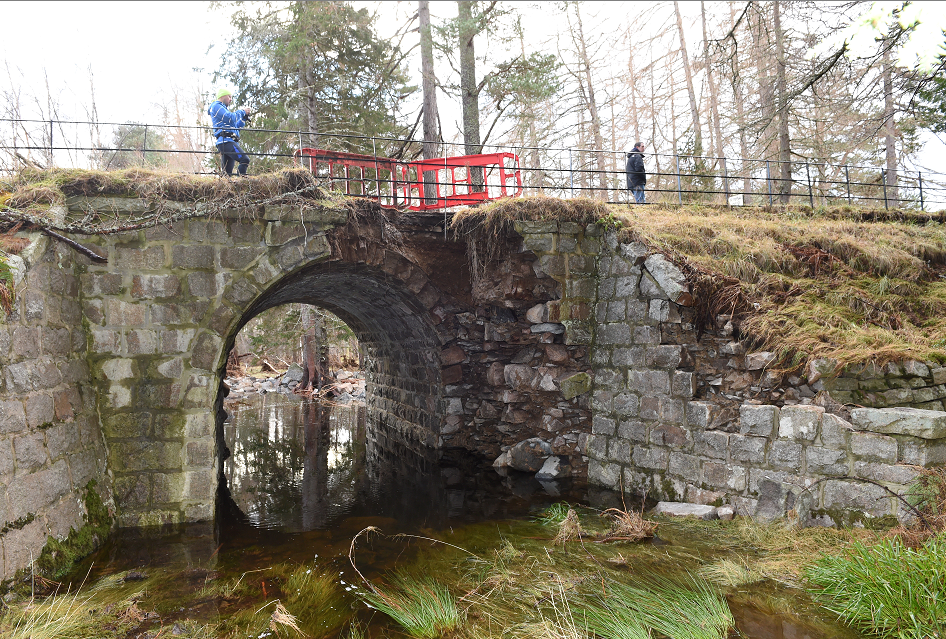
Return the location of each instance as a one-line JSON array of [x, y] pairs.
[[920, 176], [725, 179], [144, 144], [679, 181], [50, 142], [811, 196], [883, 179], [847, 178], [768, 180]]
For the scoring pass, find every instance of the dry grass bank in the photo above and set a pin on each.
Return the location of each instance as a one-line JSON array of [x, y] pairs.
[[842, 283]]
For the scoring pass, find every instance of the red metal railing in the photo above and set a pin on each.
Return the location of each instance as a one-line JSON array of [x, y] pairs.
[[456, 181]]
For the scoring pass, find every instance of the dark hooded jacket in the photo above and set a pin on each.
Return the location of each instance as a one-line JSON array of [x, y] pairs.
[[636, 175]]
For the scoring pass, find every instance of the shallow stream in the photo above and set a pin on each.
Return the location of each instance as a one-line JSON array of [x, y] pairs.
[[305, 479]]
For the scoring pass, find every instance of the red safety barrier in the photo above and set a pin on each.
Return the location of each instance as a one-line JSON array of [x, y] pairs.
[[457, 181]]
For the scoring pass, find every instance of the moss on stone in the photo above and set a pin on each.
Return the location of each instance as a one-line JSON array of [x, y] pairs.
[[58, 556], [17, 524]]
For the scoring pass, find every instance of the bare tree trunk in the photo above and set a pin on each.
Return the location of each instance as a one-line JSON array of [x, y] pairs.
[[740, 117], [635, 123], [431, 133], [537, 173], [592, 109], [469, 94], [653, 123], [714, 99], [309, 98], [687, 72], [890, 131], [313, 348], [784, 142]]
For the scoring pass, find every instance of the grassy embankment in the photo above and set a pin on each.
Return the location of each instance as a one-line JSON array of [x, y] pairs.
[[852, 285]]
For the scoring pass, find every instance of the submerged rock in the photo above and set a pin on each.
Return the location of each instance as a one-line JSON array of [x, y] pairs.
[[680, 509]]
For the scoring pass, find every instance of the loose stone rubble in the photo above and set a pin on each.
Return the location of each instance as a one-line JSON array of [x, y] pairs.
[[347, 386]]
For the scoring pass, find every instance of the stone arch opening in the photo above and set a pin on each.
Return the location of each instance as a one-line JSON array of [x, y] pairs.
[[400, 347]]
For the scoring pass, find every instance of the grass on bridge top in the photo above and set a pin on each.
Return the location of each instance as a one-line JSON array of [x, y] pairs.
[[34, 190], [844, 283]]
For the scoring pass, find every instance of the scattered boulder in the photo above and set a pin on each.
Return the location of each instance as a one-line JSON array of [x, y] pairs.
[[294, 375], [681, 509], [529, 455], [725, 513], [758, 361]]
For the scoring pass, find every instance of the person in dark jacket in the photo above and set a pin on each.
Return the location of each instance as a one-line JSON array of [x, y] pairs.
[[636, 175], [226, 131]]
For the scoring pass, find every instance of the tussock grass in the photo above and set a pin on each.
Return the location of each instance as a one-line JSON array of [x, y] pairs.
[[684, 608], [315, 599], [731, 572], [888, 590], [627, 525], [569, 529], [422, 606], [112, 608], [554, 515], [776, 551]]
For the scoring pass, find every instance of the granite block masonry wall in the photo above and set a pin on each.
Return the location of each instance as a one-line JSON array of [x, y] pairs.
[[700, 420], [51, 445]]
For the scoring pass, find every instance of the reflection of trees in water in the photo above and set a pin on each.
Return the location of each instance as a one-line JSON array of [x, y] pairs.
[[296, 466]]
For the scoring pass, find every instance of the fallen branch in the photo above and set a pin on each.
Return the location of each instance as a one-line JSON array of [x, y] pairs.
[[92, 255]]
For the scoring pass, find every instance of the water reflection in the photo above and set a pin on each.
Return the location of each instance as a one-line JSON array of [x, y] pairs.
[[305, 478], [300, 466]]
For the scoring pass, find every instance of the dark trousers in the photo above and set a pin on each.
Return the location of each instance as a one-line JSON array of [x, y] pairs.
[[231, 154]]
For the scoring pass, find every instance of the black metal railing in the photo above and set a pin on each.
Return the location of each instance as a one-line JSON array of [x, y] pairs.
[[565, 172]]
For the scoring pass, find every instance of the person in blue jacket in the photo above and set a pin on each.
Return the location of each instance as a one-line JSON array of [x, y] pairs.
[[226, 131]]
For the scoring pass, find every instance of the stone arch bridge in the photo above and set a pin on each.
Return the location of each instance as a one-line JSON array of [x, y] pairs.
[[113, 372]]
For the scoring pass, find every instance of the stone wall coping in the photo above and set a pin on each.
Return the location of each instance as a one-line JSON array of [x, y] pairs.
[[925, 424]]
